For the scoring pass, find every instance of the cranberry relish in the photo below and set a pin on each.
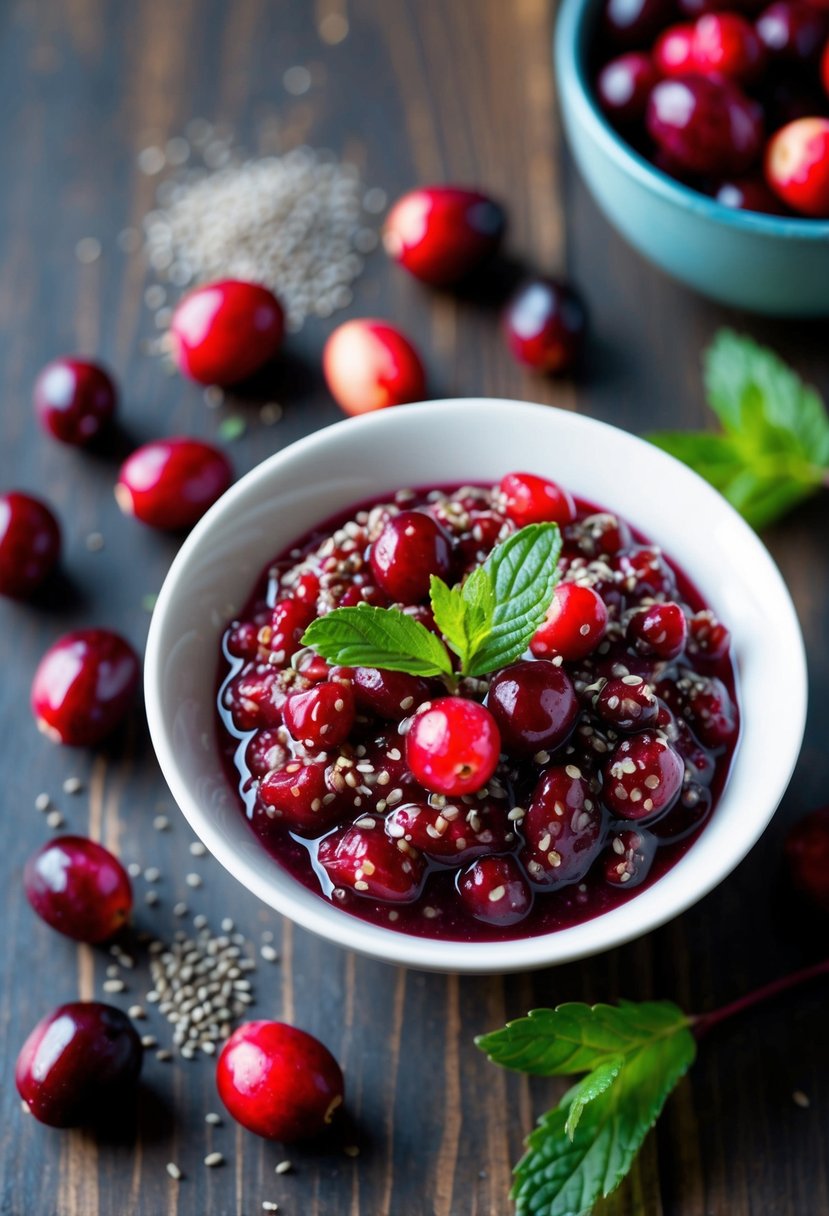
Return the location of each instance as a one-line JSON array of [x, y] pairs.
[[603, 752]]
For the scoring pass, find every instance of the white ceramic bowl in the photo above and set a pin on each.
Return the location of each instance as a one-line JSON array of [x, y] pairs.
[[441, 442]]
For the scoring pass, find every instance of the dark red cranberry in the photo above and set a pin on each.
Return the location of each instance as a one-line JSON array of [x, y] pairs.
[[495, 891], [441, 233], [307, 587], [562, 827], [624, 85], [699, 762], [279, 1082], [629, 857], [383, 769], [643, 777], [242, 640], [367, 862], [728, 44], [793, 31], [673, 51], [84, 685], [370, 365], [575, 624], [393, 695], [644, 573], [289, 620], [224, 332], [627, 703], [453, 833], [29, 544], [695, 8], [807, 853], [708, 638], [452, 746], [79, 1064], [75, 400], [322, 717], [705, 125], [297, 796], [749, 194], [312, 667], [634, 22], [824, 69], [266, 752], [711, 711], [534, 705], [602, 534], [257, 697], [685, 816], [658, 629], [79, 888], [363, 593], [529, 499], [409, 550], [169, 484], [545, 324]]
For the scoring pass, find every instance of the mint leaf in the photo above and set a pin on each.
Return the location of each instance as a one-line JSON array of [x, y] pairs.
[[590, 1087], [364, 636], [463, 613]]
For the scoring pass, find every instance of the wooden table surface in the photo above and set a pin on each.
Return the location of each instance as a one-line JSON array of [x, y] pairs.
[[418, 90]]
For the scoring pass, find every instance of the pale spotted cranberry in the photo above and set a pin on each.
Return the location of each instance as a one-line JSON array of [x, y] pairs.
[[75, 399], [534, 705], [289, 620], [711, 711], [321, 717], [627, 703], [29, 544], [266, 752], [807, 853], [453, 745], [169, 484], [297, 796], [601, 534], [369, 863], [562, 828], [453, 833], [659, 629], [370, 365], [529, 499], [410, 549], [495, 891], [643, 777], [797, 166], [708, 638], [629, 857], [575, 624], [441, 233], [644, 573], [84, 686], [224, 332]]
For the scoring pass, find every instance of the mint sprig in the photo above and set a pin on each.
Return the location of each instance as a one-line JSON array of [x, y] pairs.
[[487, 621], [773, 451]]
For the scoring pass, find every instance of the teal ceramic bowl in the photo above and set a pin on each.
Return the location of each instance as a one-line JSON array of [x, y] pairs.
[[763, 263]]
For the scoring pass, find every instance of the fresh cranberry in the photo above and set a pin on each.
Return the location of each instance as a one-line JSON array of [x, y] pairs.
[[797, 166], [629, 857], [807, 853], [658, 629], [297, 795], [266, 752], [409, 550], [84, 685], [369, 365], [453, 745], [644, 573], [699, 762], [529, 499], [748, 194], [224, 332], [441, 233], [624, 85], [279, 1082], [392, 695], [728, 44], [242, 640], [705, 125], [453, 833], [545, 324], [495, 891], [711, 712], [534, 705], [708, 638], [29, 544], [322, 717], [79, 888], [368, 862], [673, 51], [793, 31], [289, 620], [602, 534], [634, 22], [78, 1064], [257, 697], [627, 703], [75, 400], [575, 624], [643, 777], [382, 772], [562, 828], [170, 483]]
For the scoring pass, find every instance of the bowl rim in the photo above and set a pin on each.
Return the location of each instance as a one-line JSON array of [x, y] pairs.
[[569, 45], [425, 953]]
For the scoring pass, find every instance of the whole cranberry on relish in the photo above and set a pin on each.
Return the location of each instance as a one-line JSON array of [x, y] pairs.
[[539, 790]]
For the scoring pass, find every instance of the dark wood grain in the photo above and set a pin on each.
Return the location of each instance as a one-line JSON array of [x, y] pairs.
[[420, 89]]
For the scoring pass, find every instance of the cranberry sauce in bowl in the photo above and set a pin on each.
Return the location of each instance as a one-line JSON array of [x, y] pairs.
[[512, 804]]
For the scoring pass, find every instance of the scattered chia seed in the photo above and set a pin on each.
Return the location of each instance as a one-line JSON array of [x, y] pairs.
[[43, 802], [152, 874], [213, 1119], [72, 785], [113, 986], [163, 1055], [214, 1159], [151, 897], [174, 1171], [269, 954], [180, 909], [267, 1206], [800, 1099], [161, 823], [193, 880], [149, 1040], [94, 542], [197, 849], [284, 1167], [54, 819], [134, 869], [88, 250], [137, 1012]]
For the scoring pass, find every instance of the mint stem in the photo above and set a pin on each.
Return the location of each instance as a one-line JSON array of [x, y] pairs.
[[702, 1023]]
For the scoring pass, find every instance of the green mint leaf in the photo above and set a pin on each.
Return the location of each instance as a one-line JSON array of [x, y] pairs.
[[364, 636], [590, 1087], [715, 457], [479, 597], [463, 613], [522, 572]]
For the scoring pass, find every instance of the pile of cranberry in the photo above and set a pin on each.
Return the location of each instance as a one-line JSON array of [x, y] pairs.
[[542, 794], [732, 99]]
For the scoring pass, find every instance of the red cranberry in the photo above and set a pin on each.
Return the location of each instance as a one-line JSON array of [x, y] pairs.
[[793, 31], [383, 769], [624, 85], [242, 640], [409, 550], [673, 51], [711, 712], [224, 332], [705, 125], [75, 400], [78, 1064], [708, 638], [824, 69], [289, 620], [644, 573], [807, 852], [266, 752], [643, 777], [322, 717], [29, 544], [699, 762], [562, 827], [169, 484], [748, 194], [628, 858], [728, 44], [367, 862], [659, 629], [534, 705], [441, 233], [453, 833], [369, 365], [575, 624], [298, 796], [797, 166], [529, 499], [279, 1082], [602, 535], [84, 685], [392, 695], [494, 890], [627, 703], [257, 697], [453, 746], [634, 22], [79, 888], [695, 8], [545, 324]]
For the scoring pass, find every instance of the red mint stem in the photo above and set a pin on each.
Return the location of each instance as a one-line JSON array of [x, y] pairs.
[[704, 1022]]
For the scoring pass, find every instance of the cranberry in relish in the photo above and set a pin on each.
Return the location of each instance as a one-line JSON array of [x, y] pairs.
[[613, 751]]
